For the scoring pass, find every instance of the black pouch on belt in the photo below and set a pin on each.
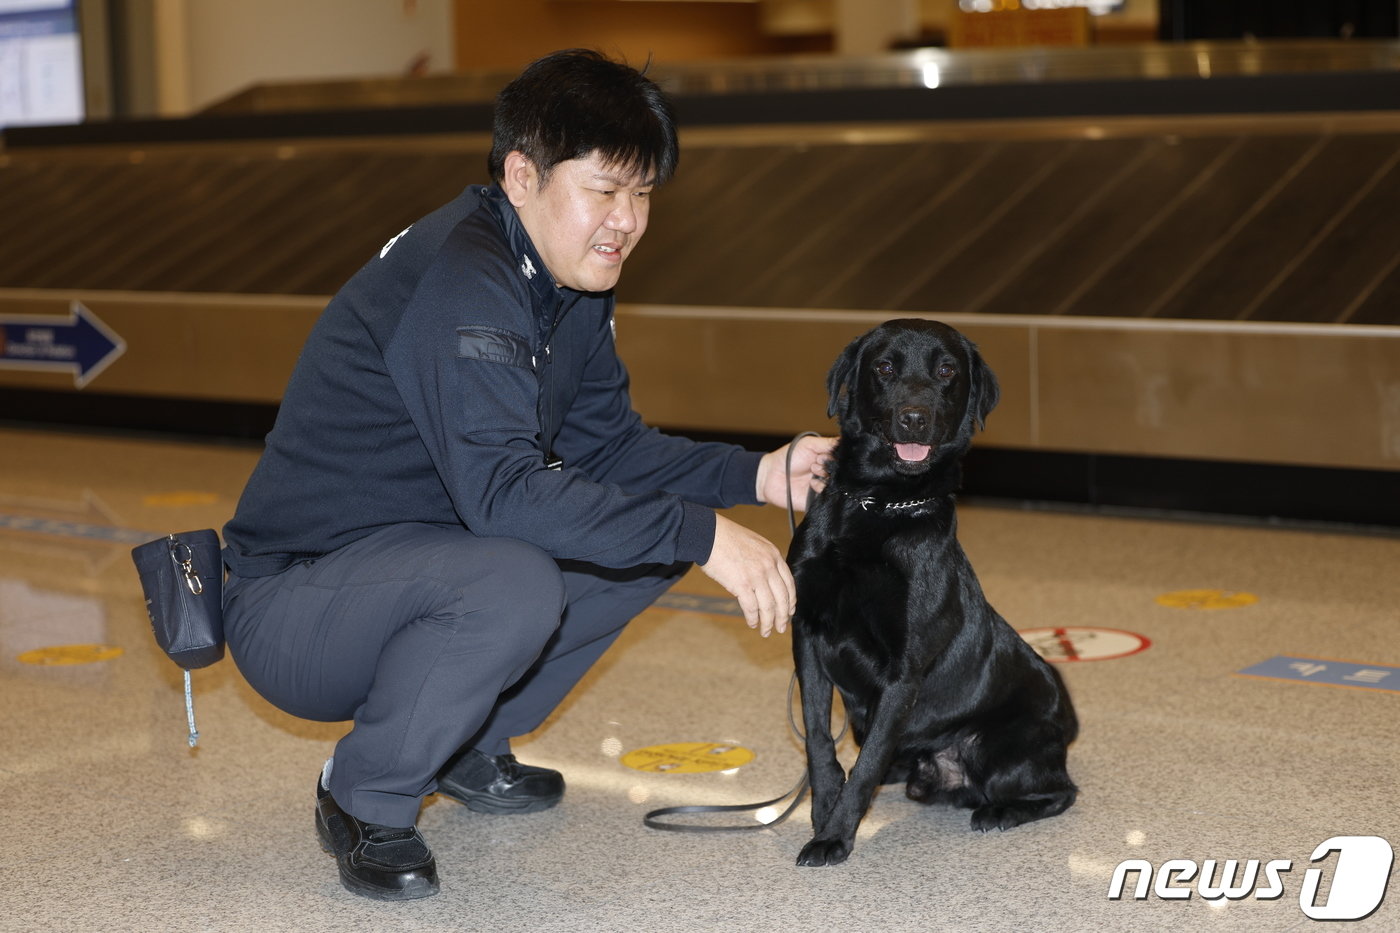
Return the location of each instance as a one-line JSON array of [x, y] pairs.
[[182, 576]]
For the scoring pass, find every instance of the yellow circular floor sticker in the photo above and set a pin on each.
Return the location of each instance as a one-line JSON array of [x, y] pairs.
[[70, 654], [1206, 599], [687, 758]]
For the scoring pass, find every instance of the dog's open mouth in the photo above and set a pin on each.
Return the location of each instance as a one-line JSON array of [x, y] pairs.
[[912, 453]]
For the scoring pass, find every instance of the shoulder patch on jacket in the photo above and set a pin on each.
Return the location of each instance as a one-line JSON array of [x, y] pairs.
[[494, 344]]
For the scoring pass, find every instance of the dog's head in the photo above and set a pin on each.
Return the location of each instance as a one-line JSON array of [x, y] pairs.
[[909, 394]]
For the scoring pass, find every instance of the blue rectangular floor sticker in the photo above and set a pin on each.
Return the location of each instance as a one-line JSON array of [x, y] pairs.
[[1330, 673]]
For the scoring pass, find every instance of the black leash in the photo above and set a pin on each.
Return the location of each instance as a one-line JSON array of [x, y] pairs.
[[799, 790]]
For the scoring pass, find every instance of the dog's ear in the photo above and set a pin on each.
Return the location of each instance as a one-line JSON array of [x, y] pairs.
[[984, 392], [840, 382]]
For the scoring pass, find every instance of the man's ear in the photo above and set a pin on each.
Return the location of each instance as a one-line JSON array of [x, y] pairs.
[[520, 178]]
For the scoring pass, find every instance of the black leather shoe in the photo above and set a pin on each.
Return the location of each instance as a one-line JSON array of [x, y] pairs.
[[386, 863], [499, 783]]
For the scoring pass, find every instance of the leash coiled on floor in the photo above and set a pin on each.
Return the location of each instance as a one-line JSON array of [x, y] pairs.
[[799, 790]]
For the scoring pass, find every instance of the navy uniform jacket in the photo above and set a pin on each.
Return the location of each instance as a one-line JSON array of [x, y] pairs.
[[422, 395]]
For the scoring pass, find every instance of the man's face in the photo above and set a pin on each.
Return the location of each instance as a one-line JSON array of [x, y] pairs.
[[584, 221]]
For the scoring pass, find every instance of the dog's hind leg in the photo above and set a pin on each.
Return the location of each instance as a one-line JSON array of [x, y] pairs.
[[1006, 814], [1015, 787]]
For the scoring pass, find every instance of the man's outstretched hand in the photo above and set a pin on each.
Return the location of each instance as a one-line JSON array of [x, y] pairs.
[[749, 566]]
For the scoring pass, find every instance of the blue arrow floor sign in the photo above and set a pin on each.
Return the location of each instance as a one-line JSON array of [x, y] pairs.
[[80, 344]]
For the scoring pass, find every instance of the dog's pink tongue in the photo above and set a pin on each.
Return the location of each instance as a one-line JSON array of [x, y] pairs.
[[912, 452]]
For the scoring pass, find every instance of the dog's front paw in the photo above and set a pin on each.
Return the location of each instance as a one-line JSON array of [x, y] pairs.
[[821, 852]]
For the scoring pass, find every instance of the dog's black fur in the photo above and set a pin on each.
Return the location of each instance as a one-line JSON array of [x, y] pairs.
[[941, 692]]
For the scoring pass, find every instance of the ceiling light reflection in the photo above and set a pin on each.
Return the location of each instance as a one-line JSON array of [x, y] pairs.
[[198, 827], [1087, 866]]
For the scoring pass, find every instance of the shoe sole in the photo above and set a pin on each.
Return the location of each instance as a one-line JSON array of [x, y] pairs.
[[421, 887], [488, 803]]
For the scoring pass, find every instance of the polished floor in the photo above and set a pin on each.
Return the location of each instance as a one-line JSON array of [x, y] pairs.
[[115, 824]]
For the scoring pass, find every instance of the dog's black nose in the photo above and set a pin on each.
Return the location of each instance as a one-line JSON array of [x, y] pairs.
[[912, 419]]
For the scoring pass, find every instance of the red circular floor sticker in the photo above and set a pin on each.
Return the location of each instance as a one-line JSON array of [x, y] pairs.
[[1081, 643]]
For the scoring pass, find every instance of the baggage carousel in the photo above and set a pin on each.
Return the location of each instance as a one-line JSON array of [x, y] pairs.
[[1184, 254]]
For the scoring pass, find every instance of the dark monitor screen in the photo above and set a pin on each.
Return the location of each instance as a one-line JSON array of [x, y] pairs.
[[1185, 20]]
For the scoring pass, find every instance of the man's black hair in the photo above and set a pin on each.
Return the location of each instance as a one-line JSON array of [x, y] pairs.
[[576, 102]]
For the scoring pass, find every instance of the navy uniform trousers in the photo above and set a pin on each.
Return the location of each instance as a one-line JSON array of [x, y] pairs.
[[432, 640]]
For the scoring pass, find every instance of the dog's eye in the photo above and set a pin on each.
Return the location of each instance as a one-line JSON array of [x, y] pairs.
[[884, 368], [946, 371]]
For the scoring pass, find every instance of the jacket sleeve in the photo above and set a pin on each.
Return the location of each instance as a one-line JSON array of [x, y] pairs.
[[605, 437], [477, 417]]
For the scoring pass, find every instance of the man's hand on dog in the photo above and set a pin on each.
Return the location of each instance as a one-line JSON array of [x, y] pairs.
[[809, 456]]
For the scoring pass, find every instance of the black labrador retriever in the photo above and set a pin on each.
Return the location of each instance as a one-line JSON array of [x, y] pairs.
[[941, 692]]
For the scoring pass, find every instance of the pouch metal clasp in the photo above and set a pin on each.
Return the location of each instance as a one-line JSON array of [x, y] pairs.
[[182, 555]]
